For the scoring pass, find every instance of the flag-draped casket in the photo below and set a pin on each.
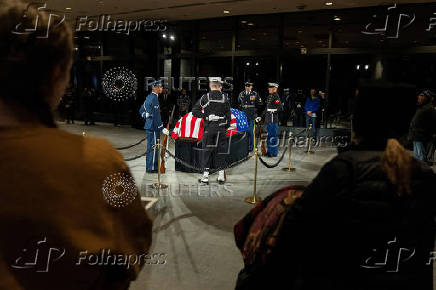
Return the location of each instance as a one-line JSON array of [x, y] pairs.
[[188, 133]]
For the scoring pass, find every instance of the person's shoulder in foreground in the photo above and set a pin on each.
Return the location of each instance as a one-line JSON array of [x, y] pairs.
[[72, 199]]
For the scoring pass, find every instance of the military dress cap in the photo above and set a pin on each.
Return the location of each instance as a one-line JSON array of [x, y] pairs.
[[273, 85], [215, 80], [155, 84], [248, 84]]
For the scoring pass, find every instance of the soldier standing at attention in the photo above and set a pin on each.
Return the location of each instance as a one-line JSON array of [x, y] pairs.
[[150, 111], [249, 101], [214, 108], [271, 117]]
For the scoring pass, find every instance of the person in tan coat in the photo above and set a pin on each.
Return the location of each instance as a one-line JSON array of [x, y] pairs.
[[70, 214]]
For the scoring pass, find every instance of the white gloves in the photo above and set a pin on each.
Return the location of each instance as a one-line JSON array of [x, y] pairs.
[[258, 119], [213, 117], [147, 115], [165, 131]]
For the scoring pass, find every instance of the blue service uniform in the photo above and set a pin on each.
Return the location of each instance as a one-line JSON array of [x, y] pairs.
[[314, 106], [153, 126], [248, 103], [271, 117]]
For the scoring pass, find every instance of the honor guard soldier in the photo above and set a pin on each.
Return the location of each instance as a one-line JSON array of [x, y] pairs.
[[214, 109], [271, 117], [150, 111], [249, 101]]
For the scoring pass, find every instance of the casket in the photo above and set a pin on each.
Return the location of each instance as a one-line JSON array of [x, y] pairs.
[[187, 149]]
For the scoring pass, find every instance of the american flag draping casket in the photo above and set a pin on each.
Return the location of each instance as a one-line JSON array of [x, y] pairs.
[[189, 130], [191, 127]]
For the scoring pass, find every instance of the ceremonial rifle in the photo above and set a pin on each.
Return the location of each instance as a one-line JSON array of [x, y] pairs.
[[165, 143]]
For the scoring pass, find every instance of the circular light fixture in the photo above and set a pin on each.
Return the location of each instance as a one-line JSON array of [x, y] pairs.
[[164, 35], [172, 37], [328, 3], [358, 67], [366, 66], [226, 12], [257, 63], [243, 21], [337, 18], [119, 84], [250, 24], [68, 8], [248, 63]]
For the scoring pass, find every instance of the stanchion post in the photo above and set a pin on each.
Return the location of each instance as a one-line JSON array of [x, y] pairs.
[[291, 141], [309, 140], [159, 185], [254, 198]]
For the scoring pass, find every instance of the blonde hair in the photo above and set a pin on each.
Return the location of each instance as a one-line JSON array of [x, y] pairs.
[[397, 164]]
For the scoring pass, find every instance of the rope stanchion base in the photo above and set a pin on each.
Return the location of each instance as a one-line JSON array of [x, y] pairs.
[[253, 199], [288, 169]]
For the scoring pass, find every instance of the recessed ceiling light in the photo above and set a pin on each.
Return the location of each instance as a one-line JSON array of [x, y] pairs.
[[172, 37], [164, 35], [328, 3], [250, 24], [243, 21], [86, 37], [226, 11], [68, 8], [247, 63], [434, 13], [337, 18]]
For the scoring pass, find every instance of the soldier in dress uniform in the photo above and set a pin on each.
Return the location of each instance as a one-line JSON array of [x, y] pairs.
[[249, 101], [150, 111], [271, 117], [214, 109]]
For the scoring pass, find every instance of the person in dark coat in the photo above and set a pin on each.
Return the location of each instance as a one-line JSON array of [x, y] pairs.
[[423, 125], [366, 221], [88, 96]]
